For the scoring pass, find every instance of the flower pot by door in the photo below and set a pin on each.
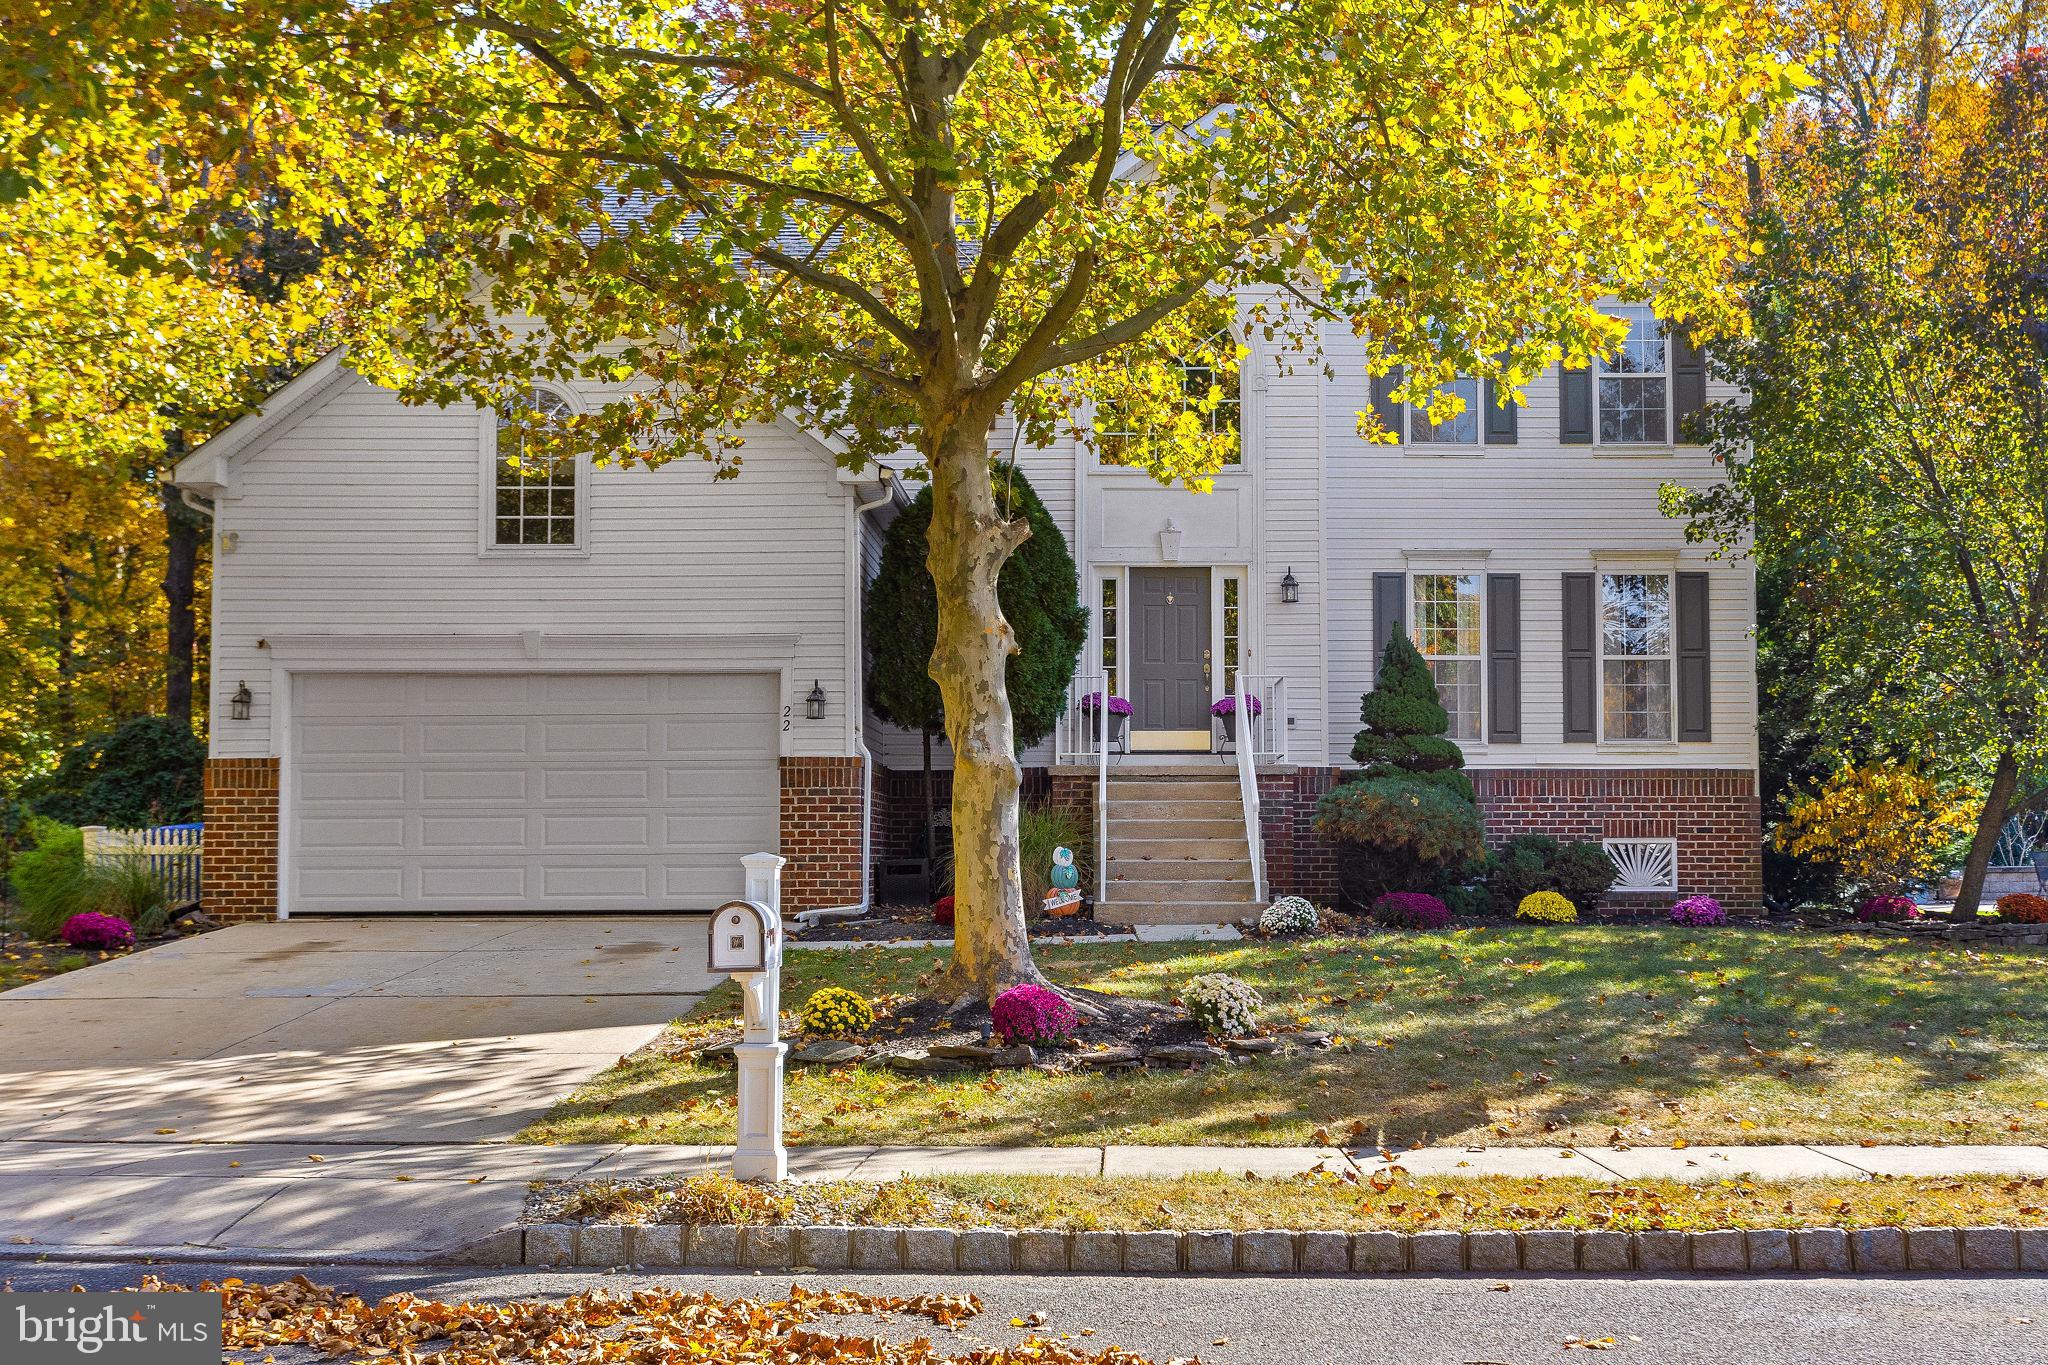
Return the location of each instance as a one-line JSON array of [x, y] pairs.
[[1117, 725], [1229, 719]]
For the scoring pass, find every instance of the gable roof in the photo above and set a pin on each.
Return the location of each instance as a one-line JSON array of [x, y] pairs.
[[209, 469]]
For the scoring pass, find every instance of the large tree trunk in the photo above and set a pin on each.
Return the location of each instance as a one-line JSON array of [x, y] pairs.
[[181, 570], [2004, 780], [969, 544]]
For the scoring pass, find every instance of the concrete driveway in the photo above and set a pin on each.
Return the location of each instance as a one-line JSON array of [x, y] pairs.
[[360, 1031]]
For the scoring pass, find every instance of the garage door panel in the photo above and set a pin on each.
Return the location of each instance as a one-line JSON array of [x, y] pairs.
[[621, 793], [595, 784]]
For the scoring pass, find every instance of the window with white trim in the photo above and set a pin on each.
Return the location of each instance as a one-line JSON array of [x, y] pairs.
[[1211, 392], [1233, 630], [1446, 615], [1463, 430], [1633, 388], [1109, 628], [1635, 656], [534, 496]]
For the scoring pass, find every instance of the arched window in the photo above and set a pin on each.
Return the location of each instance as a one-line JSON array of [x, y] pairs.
[[534, 494], [1117, 442]]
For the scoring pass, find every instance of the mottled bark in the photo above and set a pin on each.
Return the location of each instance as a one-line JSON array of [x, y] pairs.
[[969, 544], [1997, 801]]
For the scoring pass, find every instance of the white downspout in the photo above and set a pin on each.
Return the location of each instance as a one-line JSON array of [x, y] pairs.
[[857, 709]]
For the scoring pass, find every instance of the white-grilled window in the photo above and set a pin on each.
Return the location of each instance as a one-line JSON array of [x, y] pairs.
[[1447, 631], [1212, 393], [1633, 389], [535, 498], [1635, 656]]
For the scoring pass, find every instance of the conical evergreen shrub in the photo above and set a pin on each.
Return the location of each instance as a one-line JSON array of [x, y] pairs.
[[1405, 724]]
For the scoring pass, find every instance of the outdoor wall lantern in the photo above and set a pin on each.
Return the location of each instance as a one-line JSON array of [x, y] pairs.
[[238, 705], [814, 705], [1290, 590]]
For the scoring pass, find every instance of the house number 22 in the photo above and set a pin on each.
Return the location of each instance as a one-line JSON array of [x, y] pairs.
[[785, 716]]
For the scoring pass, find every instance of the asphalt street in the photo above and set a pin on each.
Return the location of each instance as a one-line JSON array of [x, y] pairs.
[[1462, 1320]]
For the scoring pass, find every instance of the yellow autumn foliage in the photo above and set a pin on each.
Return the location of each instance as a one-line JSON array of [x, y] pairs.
[[1886, 824]]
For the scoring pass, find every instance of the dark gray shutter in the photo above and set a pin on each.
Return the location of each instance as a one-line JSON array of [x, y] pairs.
[[1504, 658], [1502, 423], [1695, 659], [1688, 387], [1389, 613], [1575, 407], [1581, 659], [1386, 408]]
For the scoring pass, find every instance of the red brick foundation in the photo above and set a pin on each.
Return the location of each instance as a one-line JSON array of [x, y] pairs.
[[821, 818], [238, 858]]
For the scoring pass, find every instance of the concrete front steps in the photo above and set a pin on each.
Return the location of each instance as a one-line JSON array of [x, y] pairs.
[[1177, 849]]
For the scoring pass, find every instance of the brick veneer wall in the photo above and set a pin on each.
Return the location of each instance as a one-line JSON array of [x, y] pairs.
[[821, 815], [238, 858], [1714, 813], [1298, 862]]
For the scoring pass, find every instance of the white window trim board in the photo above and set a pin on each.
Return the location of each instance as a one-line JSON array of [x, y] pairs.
[[487, 494]]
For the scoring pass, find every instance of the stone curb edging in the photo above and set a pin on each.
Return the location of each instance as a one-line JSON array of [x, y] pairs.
[[1987, 1250]]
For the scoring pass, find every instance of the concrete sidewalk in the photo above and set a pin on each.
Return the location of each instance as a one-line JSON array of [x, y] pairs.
[[276, 1202]]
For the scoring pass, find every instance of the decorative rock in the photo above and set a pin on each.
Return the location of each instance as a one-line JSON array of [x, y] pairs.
[[1990, 1249], [1606, 1251], [828, 1052], [1310, 1038], [1109, 1056], [1878, 1249], [1325, 1253], [1252, 1044], [1040, 1249], [825, 1248], [930, 1248], [1266, 1252], [717, 1052], [1379, 1253], [963, 1052], [1185, 1054], [1550, 1249], [712, 1244], [877, 1249], [1211, 1252], [1101, 1252], [1492, 1250], [919, 1062], [1660, 1251], [1022, 1055], [507, 1246], [2033, 1248], [1438, 1251], [1932, 1249], [768, 1247], [656, 1244], [986, 1250], [1822, 1249], [1152, 1253], [551, 1244], [1719, 1250], [1769, 1249]]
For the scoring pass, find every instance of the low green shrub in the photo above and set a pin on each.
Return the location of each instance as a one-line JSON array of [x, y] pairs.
[[1398, 833], [49, 878], [1527, 863]]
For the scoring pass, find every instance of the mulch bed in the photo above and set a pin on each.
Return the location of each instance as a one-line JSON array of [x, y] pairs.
[[25, 960], [886, 922]]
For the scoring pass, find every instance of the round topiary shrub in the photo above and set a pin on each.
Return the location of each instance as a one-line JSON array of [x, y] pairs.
[[1887, 908], [1032, 1014], [2023, 907], [1411, 910], [1547, 907], [1222, 1006], [91, 929], [836, 1012], [1699, 912], [1288, 915]]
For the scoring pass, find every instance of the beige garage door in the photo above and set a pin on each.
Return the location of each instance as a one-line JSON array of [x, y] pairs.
[[527, 792]]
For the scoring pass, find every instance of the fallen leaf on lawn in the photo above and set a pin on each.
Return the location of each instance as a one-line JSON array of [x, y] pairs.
[[1680, 1144]]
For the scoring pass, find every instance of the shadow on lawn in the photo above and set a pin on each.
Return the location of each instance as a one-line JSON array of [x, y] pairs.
[[1537, 1031]]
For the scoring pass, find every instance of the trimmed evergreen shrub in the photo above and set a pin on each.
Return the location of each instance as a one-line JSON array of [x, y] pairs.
[[1397, 834], [1580, 872], [1040, 592], [147, 771]]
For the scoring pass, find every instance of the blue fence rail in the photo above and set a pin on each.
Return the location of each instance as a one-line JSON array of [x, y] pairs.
[[171, 852]]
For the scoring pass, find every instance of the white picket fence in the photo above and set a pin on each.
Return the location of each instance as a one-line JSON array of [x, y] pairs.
[[172, 852]]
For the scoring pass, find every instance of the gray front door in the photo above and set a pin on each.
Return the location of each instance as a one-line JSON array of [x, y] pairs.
[[1170, 649]]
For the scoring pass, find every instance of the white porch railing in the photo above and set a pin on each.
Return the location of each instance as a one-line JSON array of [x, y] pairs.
[[1264, 736]]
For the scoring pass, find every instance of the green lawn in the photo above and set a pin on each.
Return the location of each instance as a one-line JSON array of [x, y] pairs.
[[1496, 1036]]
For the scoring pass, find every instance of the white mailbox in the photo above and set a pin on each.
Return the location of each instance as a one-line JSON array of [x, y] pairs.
[[743, 933], [746, 942]]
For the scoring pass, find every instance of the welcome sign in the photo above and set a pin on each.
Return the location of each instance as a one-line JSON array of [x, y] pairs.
[[110, 1329]]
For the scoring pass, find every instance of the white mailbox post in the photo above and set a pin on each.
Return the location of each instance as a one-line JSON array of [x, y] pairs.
[[746, 943]]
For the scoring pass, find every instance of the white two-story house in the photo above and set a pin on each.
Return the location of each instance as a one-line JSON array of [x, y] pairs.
[[444, 684]]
